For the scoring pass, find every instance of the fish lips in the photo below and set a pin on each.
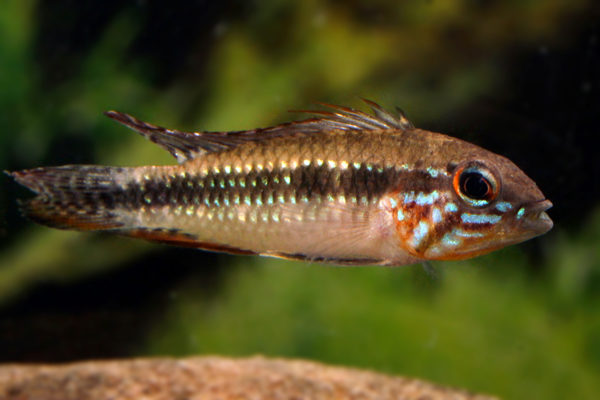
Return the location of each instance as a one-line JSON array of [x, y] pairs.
[[535, 218]]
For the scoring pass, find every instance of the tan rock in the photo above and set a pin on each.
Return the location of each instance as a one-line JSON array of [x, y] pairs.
[[210, 378]]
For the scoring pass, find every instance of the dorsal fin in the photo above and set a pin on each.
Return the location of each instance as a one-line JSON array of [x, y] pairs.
[[182, 145], [187, 145], [347, 118]]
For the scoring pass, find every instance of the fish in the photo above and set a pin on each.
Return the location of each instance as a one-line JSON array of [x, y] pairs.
[[344, 186]]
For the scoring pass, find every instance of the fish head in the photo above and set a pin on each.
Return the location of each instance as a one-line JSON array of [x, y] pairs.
[[482, 202]]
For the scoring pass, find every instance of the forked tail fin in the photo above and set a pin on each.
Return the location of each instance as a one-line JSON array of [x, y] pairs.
[[72, 196]]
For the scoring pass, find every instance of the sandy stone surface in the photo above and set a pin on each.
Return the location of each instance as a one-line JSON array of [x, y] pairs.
[[209, 378]]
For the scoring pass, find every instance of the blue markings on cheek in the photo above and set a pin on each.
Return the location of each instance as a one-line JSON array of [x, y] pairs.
[[465, 234], [520, 213], [503, 206], [400, 215], [420, 233], [468, 218], [436, 215], [427, 199], [409, 197], [393, 203], [450, 240], [450, 207]]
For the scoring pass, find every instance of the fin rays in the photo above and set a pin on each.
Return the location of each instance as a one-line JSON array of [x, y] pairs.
[[350, 119], [70, 197], [182, 145], [188, 145]]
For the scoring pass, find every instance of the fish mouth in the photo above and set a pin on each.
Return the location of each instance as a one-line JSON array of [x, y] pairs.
[[535, 217]]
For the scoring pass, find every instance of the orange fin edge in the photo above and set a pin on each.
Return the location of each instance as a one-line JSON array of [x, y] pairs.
[[179, 238]]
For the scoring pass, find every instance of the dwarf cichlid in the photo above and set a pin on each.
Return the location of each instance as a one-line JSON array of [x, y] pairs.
[[344, 187]]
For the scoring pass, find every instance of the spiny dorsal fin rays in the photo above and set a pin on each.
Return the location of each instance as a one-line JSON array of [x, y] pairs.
[[351, 116], [188, 145], [399, 121], [346, 118], [340, 121]]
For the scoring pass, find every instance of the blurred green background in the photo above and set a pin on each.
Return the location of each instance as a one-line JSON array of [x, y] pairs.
[[521, 78]]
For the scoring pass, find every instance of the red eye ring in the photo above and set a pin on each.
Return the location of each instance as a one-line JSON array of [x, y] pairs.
[[476, 184]]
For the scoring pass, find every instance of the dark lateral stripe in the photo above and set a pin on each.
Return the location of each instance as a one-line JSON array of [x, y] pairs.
[[263, 187]]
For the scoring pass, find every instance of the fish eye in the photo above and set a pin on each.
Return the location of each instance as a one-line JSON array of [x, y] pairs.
[[476, 184]]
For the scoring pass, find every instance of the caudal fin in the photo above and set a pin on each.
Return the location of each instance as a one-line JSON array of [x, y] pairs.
[[72, 196]]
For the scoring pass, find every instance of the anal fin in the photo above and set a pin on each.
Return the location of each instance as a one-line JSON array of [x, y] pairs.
[[176, 237], [337, 261]]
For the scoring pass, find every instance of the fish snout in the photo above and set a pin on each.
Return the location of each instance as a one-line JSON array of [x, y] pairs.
[[534, 216]]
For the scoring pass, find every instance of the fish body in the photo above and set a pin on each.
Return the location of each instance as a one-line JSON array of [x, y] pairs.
[[345, 187]]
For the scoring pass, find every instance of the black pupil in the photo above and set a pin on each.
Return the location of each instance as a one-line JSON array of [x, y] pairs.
[[474, 185]]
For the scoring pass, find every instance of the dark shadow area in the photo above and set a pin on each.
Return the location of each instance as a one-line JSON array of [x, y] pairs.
[[68, 30], [106, 315]]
